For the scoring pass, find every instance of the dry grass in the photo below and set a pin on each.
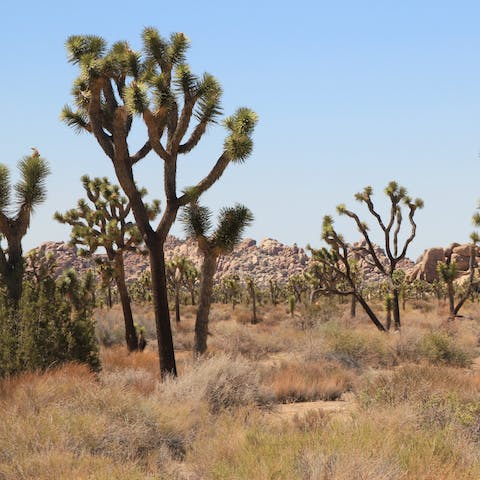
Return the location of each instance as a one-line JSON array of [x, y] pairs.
[[303, 382], [419, 415]]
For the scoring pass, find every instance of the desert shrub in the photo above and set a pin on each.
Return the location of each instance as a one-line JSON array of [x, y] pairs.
[[418, 384], [53, 324], [326, 309], [438, 347], [301, 382], [446, 409], [356, 349], [222, 382], [110, 324], [109, 329], [250, 343]]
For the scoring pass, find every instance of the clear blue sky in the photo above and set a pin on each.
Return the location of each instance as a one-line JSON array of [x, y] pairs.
[[348, 93]]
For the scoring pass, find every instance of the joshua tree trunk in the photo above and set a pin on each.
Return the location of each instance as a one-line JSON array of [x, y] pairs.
[[353, 307], [162, 314], [177, 303], [12, 269], [209, 267], [254, 303], [192, 295], [451, 300], [396, 309], [389, 319], [109, 296], [130, 332], [369, 312]]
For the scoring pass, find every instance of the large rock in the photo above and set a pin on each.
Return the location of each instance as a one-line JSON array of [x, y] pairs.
[[426, 266]]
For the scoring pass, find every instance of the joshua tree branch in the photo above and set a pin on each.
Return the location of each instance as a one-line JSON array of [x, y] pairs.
[[96, 121], [195, 137], [142, 153], [204, 184], [182, 126]]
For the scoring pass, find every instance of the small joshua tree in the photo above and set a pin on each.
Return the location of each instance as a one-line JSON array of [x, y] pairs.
[[231, 225], [105, 223], [447, 271], [336, 271], [190, 278], [176, 271], [231, 289], [30, 192], [252, 292]]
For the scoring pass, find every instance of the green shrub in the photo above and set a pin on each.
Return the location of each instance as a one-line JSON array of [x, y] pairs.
[[53, 324], [438, 347]]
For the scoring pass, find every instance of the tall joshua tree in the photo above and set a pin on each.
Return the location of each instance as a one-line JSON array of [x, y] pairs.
[[391, 228], [106, 224], [30, 191], [156, 84], [231, 225]]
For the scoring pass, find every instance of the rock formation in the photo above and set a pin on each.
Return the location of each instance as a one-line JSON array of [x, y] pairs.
[[268, 259], [426, 266]]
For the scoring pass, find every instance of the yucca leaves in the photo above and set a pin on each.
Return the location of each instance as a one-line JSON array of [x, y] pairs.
[[238, 145], [197, 220], [5, 188], [231, 224], [77, 120], [80, 46], [136, 98], [31, 189]]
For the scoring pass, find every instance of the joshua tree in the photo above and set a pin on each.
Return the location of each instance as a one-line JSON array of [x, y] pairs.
[[190, 278], [250, 282], [274, 289], [336, 270], [298, 285], [447, 272], [116, 85], [397, 196], [231, 288], [231, 224], [105, 224], [388, 305], [176, 271], [30, 191]]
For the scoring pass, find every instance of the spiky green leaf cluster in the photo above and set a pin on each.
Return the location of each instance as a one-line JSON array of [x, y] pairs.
[[196, 219], [209, 92], [136, 98], [232, 222], [5, 188], [31, 188], [238, 145]]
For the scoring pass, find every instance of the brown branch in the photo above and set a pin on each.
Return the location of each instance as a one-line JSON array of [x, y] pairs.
[[96, 119], [142, 153], [182, 125], [364, 232], [204, 184], [195, 137]]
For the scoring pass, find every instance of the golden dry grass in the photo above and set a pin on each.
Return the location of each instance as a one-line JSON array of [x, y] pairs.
[[418, 416]]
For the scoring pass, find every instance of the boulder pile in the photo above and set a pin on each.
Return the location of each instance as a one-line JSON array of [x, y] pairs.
[[267, 259]]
